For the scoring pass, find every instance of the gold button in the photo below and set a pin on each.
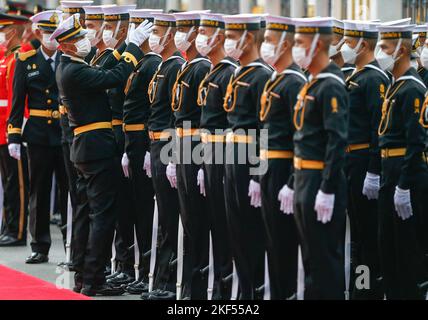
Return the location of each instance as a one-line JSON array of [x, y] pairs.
[[49, 101], [47, 91], [49, 121]]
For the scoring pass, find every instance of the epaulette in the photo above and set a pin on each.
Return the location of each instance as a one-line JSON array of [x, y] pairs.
[[25, 55]]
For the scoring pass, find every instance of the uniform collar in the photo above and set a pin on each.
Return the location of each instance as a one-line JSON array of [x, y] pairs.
[[46, 56], [75, 59], [331, 71], [410, 74]]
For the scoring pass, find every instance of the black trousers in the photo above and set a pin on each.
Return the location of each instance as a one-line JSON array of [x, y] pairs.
[[401, 242], [124, 239], [363, 214], [214, 188], [322, 244], [43, 162], [97, 188], [281, 232], [245, 225], [194, 217], [142, 203], [168, 213], [14, 177]]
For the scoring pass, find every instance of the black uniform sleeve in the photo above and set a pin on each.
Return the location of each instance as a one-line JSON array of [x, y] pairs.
[[415, 135], [335, 116], [18, 103], [374, 93], [90, 79], [292, 90]]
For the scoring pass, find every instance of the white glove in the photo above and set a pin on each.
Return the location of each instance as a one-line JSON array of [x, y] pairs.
[[201, 182], [171, 174], [324, 206], [403, 204], [147, 165], [125, 165], [286, 197], [140, 34], [254, 193], [371, 186], [15, 151]]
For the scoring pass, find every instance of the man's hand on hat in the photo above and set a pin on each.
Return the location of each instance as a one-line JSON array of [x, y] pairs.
[[140, 34]]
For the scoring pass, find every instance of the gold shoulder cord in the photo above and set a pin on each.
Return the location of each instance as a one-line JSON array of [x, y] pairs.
[[353, 75], [202, 100], [266, 99], [301, 105], [153, 87], [129, 82], [180, 74], [386, 110], [424, 109], [232, 90]]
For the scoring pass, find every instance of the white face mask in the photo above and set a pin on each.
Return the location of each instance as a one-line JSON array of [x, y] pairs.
[[424, 57], [204, 45], [333, 50], [350, 54], [234, 48], [83, 47], [155, 43], [49, 44], [3, 41], [271, 53], [300, 57], [386, 61], [92, 35], [109, 37], [181, 40]]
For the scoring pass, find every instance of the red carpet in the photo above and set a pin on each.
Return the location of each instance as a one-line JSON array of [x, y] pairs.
[[15, 285]]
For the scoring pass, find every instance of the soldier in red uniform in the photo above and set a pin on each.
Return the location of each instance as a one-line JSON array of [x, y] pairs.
[[13, 172]]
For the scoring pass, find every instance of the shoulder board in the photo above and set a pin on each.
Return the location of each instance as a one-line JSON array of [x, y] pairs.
[[404, 78], [297, 73], [330, 75], [370, 66], [25, 55]]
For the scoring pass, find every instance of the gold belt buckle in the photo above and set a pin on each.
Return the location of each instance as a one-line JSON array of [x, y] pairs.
[[298, 163], [55, 114]]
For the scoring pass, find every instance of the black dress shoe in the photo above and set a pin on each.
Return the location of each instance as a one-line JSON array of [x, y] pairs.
[[68, 266], [121, 279], [137, 287], [103, 290], [114, 275], [9, 241], [37, 258], [146, 295], [162, 295], [78, 286]]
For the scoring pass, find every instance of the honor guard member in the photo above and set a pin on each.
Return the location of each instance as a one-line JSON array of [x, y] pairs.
[[187, 119], [161, 124], [367, 88], [28, 40], [94, 23], [136, 111], [276, 114], [402, 140], [242, 103], [116, 24], [93, 151], [334, 51], [321, 122], [13, 169], [210, 43], [419, 47], [35, 85]]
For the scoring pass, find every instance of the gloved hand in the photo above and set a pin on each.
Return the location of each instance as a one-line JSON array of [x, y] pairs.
[[171, 174], [371, 186], [201, 182], [140, 34], [254, 193], [125, 165], [147, 165], [15, 150], [403, 203], [286, 197], [324, 206]]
